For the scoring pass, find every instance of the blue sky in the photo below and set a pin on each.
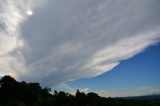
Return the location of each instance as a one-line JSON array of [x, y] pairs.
[[140, 71], [110, 47]]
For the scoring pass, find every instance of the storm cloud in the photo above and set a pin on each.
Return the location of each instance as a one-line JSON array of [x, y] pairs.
[[54, 41]]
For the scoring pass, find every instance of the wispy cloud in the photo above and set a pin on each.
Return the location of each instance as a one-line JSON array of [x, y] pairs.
[[67, 40], [140, 91], [114, 92], [69, 89]]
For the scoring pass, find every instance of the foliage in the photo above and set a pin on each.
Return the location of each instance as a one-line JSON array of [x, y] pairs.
[[14, 93]]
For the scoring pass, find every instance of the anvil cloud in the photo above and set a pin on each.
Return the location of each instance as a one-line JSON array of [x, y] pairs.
[[65, 40]]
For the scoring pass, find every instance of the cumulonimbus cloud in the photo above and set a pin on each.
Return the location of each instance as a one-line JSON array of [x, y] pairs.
[[64, 40]]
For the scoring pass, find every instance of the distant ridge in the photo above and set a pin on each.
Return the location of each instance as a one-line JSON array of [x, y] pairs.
[[145, 97], [14, 93]]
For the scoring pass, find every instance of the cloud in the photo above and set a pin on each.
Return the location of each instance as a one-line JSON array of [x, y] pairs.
[[115, 92], [69, 89], [130, 92], [67, 40]]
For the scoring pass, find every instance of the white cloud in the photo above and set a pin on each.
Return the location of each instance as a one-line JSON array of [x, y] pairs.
[[140, 91], [67, 40], [69, 89]]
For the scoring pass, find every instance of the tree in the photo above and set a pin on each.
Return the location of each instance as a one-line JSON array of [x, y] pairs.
[[14, 93], [81, 98]]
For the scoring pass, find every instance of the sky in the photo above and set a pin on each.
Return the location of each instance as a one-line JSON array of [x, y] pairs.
[[133, 77], [109, 47]]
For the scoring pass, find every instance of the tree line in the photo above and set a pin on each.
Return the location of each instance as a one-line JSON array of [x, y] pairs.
[[14, 93]]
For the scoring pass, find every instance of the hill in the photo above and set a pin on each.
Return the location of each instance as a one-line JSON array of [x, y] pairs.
[[14, 93]]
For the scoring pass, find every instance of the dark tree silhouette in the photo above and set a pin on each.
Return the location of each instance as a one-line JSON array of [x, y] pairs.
[[14, 93]]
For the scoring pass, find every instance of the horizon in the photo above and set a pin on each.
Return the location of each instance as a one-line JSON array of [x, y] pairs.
[[108, 47]]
